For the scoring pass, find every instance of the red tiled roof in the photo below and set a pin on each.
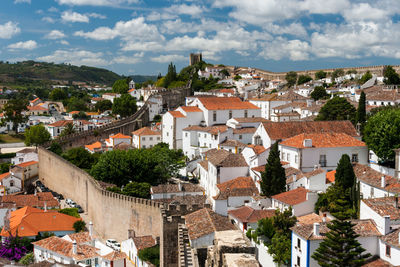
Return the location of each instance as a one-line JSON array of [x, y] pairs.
[[31, 200], [240, 186], [215, 129], [250, 215], [4, 175], [330, 177], [37, 108], [372, 177], [377, 262], [310, 219], [30, 221], [93, 146], [257, 149], [284, 130], [384, 206], [292, 197], [142, 242], [115, 255], [245, 130], [259, 168], [323, 140], [28, 163], [392, 238], [205, 221], [190, 109], [120, 136], [146, 131], [225, 103], [176, 114], [61, 123]]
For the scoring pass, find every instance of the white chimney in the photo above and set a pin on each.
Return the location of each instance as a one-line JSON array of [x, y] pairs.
[[324, 217], [399, 237], [307, 143], [383, 182], [90, 229], [74, 248], [45, 206], [179, 186], [307, 197], [316, 229], [386, 225]]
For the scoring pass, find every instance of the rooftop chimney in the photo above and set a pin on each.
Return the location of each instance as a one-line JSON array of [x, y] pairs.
[[74, 248], [386, 225], [45, 206], [397, 164], [307, 142], [383, 182], [90, 229], [179, 186], [324, 217], [316, 229]]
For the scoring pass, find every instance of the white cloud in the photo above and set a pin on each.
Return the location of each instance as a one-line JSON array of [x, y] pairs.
[[63, 42], [281, 48], [96, 16], [53, 9], [295, 29], [76, 57], [48, 19], [71, 16], [55, 34], [96, 2], [27, 45], [184, 9], [136, 58], [168, 58], [22, 1], [8, 30], [155, 16]]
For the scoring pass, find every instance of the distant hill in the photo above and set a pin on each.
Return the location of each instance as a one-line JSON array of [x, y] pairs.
[[50, 71], [143, 78]]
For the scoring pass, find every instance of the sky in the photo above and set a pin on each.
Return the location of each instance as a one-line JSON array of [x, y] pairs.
[[143, 36]]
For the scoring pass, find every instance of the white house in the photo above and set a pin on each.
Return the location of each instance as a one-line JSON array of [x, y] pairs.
[[233, 194], [218, 167], [306, 151], [307, 237], [255, 155], [117, 139], [300, 199], [57, 127], [202, 226], [25, 155], [133, 245], [110, 96], [247, 217], [146, 137]]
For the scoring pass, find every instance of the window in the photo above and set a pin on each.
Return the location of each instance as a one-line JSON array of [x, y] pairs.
[[296, 158], [372, 192], [144, 146], [230, 114], [205, 135], [240, 136], [245, 113], [387, 250], [214, 116], [143, 138], [322, 160], [158, 138], [288, 157], [298, 244], [151, 138], [283, 155], [11, 183], [354, 158], [298, 261], [382, 103], [21, 159], [167, 134]]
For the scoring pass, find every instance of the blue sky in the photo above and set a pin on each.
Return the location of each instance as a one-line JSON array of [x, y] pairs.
[[143, 36]]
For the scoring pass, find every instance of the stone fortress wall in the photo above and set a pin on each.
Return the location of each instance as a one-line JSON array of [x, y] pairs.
[[112, 214]]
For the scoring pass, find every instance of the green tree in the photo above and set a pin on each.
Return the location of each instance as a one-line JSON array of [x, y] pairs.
[[36, 135], [58, 94], [340, 246], [303, 79], [27, 259], [336, 74], [151, 254], [157, 118], [225, 72], [391, 76], [76, 103], [103, 105], [237, 77], [319, 92], [280, 248], [120, 86], [5, 167], [56, 148], [135, 189], [320, 75], [337, 108], [80, 157], [68, 129], [124, 105], [381, 133], [79, 226], [361, 115], [366, 77], [291, 78], [13, 112], [273, 179], [171, 75], [352, 71]]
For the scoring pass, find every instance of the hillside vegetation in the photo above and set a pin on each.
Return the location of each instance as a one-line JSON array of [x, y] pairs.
[[50, 71]]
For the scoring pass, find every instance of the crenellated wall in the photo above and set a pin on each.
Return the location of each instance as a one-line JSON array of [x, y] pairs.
[[112, 214]]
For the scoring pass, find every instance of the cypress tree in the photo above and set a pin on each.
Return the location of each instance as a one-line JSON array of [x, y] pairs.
[[340, 247], [361, 110], [273, 179]]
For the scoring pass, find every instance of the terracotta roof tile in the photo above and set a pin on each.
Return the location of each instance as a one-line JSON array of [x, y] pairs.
[[266, 97], [30, 221], [204, 164], [250, 215], [215, 129], [176, 114], [310, 219], [323, 140], [120, 136], [369, 176], [93, 146], [146, 131], [250, 119], [61, 123], [225, 103], [4, 175], [224, 158], [64, 247], [377, 262], [205, 221], [314, 172], [257, 149], [292, 197], [188, 200], [245, 130], [384, 206], [232, 143], [284, 130], [33, 108], [259, 168], [142, 242], [81, 237], [392, 238], [240, 186], [191, 109], [115, 255], [31, 200], [364, 228], [28, 163]]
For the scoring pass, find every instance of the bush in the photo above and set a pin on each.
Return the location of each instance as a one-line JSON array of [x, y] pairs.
[[7, 155], [27, 259], [70, 211], [151, 254], [79, 226]]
